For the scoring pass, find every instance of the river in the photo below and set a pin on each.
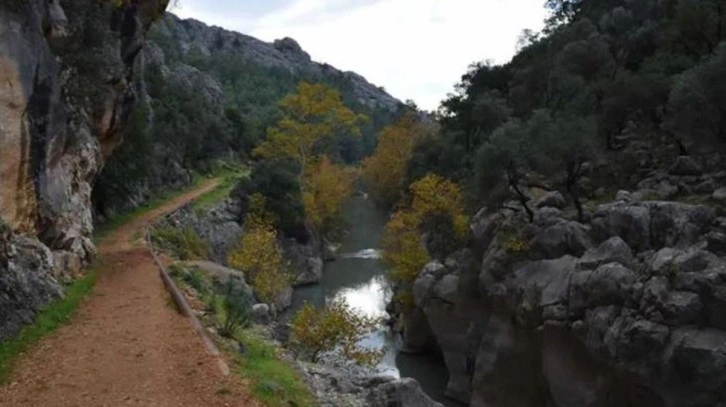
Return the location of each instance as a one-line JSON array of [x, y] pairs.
[[358, 276]]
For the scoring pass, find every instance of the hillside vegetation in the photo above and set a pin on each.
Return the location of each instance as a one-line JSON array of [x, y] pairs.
[[624, 85], [207, 95]]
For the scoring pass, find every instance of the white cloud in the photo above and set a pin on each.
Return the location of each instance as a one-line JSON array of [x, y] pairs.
[[416, 49]]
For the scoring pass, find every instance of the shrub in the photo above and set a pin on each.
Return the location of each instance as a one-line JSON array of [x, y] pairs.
[[258, 254], [334, 331], [235, 312], [184, 243]]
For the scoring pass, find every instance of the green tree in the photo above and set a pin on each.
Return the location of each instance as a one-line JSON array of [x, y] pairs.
[[334, 331], [278, 181], [564, 145], [506, 157], [697, 104]]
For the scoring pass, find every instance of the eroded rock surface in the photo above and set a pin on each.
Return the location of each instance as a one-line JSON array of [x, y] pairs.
[[625, 310], [66, 70]]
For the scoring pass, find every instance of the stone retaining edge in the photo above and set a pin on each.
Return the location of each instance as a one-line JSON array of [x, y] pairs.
[[186, 310]]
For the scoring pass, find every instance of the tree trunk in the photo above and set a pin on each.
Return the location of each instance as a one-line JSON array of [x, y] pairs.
[[574, 171], [522, 198]]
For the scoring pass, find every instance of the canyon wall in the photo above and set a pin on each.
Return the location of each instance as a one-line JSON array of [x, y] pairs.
[[624, 309], [65, 73]]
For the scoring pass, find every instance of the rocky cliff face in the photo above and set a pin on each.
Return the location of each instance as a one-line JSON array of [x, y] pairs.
[[623, 310], [65, 74], [194, 36]]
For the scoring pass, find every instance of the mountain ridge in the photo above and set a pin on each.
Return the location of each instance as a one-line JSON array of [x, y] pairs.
[[285, 53]]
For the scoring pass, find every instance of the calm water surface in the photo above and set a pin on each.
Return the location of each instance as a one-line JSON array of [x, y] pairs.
[[358, 277]]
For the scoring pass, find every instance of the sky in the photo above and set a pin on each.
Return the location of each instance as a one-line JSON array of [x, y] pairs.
[[415, 49]]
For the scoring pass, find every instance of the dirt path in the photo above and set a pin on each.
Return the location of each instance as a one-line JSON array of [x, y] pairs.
[[126, 345]]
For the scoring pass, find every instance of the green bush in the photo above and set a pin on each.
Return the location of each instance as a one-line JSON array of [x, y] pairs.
[[183, 243], [235, 311]]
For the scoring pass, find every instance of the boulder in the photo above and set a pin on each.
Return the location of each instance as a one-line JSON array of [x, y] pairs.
[[636, 341], [547, 216], [548, 279], [656, 224], [305, 260], [681, 308], [706, 187], [702, 353], [702, 282], [623, 195], [685, 165], [261, 313], [400, 393], [562, 238], [224, 278], [484, 226], [311, 272], [609, 284], [675, 224], [655, 292], [719, 195], [283, 300], [613, 250], [716, 242], [628, 220], [552, 199], [217, 227]]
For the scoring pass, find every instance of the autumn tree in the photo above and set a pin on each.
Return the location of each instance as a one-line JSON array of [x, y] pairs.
[[432, 224], [258, 254], [385, 170], [315, 113], [327, 186], [334, 332]]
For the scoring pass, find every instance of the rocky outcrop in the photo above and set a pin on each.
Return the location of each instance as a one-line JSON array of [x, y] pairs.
[[195, 36], [334, 387], [625, 310], [225, 280], [218, 227], [66, 70], [26, 280]]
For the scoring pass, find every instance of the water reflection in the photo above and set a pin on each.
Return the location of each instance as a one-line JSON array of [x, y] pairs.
[[358, 277], [363, 254]]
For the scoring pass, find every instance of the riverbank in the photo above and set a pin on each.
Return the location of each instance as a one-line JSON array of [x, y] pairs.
[[356, 272]]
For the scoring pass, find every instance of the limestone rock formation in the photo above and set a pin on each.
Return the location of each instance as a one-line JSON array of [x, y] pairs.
[[626, 310], [334, 387], [66, 70], [283, 53]]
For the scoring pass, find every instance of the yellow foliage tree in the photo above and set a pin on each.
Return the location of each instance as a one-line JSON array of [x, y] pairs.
[[434, 200], [327, 186], [314, 113], [433, 195], [385, 170], [334, 331], [258, 254]]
